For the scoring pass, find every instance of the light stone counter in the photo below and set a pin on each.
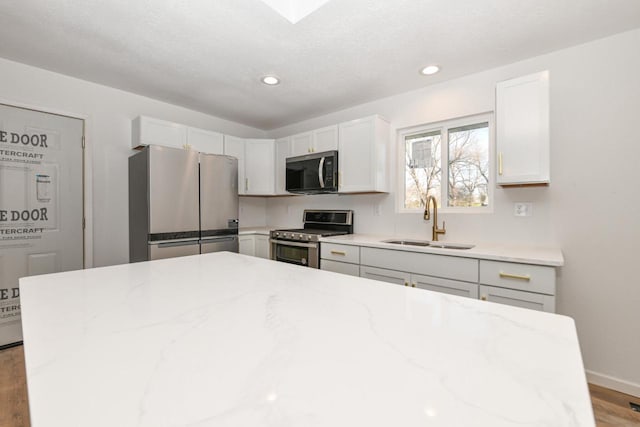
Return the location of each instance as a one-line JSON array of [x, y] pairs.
[[229, 340], [255, 230], [528, 254]]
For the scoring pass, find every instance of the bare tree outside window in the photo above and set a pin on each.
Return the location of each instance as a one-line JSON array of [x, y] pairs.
[[465, 173], [469, 166], [422, 176]]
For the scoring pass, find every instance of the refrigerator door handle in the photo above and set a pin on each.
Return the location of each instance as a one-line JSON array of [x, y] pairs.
[[219, 239], [173, 244], [321, 172]]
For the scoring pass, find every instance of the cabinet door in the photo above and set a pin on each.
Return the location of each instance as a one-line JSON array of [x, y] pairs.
[[325, 139], [205, 141], [234, 146], [452, 287], [522, 123], [259, 167], [247, 245], [301, 144], [148, 131], [340, 267], [262, 246], [518, 298], [282, 152], [384, 275], [362, 146]]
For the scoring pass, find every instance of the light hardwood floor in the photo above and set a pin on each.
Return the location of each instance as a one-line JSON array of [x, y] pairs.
[[610, 407]]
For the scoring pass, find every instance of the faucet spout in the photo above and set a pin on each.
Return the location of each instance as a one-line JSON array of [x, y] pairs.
[[435, 231]]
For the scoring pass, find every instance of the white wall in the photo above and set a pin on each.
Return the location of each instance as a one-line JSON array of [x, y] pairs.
[[109, 113], [591, 209]]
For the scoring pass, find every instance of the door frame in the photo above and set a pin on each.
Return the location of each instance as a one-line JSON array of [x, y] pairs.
[[87, 171]]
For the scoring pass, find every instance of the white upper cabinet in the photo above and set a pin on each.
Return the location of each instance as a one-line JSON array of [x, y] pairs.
[[362, 155], [259, 167], [234, 146], [522, 130], [282, 152], [205, 141], [315, 141], [147, 131]]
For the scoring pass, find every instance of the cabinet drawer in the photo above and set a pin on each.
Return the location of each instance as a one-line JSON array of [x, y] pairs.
[[448, 267], [384, 275], [342, 253], [524, 277], [340, 267], [520, 299], [446, 286]]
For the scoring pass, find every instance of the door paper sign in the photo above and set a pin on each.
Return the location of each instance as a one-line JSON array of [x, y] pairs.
[[33, 240]]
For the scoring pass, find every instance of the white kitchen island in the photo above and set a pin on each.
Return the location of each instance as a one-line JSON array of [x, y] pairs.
[[229, 340]]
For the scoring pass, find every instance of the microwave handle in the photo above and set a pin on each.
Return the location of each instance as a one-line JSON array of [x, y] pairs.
[[321, 172]]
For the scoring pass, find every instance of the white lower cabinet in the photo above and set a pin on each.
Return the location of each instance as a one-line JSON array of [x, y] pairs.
[[453, 287], [518, 284], [255, 245], [517, 298], [384, 275], [340, 267]]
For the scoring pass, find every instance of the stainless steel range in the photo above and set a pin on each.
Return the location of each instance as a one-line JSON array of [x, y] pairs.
[[301, 246]]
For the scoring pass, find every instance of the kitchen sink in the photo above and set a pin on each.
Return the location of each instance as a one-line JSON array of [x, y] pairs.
[[450, 245], [408, 242], [423, 243]]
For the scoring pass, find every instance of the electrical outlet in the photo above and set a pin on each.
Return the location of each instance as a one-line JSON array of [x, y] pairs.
[[523, 209], [377, 209]]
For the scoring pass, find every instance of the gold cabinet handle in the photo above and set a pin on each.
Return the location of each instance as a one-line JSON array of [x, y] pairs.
[[406, 283], [504, 275], [499, 163], [483, 298], [413, 285], [338, 253], [246, 184]]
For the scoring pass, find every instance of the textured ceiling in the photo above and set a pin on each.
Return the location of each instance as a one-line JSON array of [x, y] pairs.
[[209, 55]]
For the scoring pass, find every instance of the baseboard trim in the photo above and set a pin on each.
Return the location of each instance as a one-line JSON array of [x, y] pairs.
[[613, 383]]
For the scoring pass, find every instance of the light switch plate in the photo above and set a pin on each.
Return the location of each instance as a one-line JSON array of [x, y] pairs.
[[523, 209]]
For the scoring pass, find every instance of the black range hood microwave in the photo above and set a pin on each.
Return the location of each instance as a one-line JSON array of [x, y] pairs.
[[314, 173]]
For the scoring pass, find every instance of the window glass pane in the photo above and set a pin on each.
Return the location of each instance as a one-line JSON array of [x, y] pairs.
[[468, 166], [422, 168]]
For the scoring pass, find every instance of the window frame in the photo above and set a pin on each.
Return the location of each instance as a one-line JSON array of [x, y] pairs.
[[443, 126]]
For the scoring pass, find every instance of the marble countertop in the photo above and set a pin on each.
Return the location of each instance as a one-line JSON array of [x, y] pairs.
[[528, 254], [224, 339], [263, 230]]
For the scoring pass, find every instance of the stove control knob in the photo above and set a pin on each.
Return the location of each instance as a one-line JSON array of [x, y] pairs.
[[299, 236], [277, 234], [308, 237]]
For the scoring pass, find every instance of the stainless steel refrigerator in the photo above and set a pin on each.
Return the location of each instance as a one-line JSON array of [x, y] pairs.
[[181, 203]]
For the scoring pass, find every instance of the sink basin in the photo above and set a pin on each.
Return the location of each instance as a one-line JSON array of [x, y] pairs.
[[408, 242], [450, 245], [442, 245]]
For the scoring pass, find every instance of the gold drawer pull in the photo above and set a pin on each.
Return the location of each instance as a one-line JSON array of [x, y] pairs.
[[338, 253], [514, 276], [499, 163], [406, 283], [483, 297]]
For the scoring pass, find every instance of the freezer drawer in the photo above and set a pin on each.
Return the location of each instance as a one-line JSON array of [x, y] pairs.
[[218, 244], [173, 249]]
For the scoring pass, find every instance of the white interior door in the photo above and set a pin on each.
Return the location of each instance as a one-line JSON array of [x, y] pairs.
[[41, 203]]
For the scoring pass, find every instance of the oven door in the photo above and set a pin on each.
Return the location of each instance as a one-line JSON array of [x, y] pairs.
[[306, 254]]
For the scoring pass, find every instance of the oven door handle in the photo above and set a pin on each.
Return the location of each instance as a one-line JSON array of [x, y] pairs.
[[321, 172], [296, 244]]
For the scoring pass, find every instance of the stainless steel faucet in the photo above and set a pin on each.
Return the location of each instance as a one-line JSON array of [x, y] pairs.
[[427, 216]]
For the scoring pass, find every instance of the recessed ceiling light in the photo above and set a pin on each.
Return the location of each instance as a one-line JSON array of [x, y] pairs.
[[430, 69], [270, 80]]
